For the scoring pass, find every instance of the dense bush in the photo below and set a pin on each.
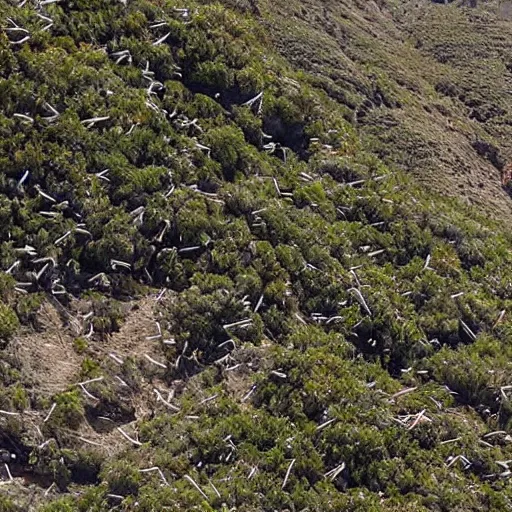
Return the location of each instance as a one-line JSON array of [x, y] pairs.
[[333, 333]]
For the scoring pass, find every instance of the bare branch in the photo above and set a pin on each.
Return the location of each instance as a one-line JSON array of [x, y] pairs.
[[403, 392], [52, 408], [285, 481], [166, 402], [194, 483], [89, 123], [162, 39], [155, 468], [44, 194], [360, 299], [150, 359], [333, 473], [126, 436], [326, 424]]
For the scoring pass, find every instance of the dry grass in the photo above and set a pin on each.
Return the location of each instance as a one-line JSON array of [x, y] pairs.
[[403, 50]]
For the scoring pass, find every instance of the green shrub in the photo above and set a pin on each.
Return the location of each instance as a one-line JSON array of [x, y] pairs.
[[7, 505], [69, 411], [9, 323], [122, 478]]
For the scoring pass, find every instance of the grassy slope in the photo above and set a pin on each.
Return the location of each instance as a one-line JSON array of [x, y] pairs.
[[424, 80], [357, 282]]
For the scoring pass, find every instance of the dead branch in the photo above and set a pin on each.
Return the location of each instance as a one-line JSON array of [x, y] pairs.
[[285, 481], [166, 402], [326, 424], [127, 437], [333, 473], [52, 408], [360, 299], [403, 392], [89, 123], [194, 483], [157, 469], [157, 363]]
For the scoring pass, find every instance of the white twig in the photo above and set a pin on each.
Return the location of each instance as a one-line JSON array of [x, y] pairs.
[[158, 24], [21, 41], [126, 436], [467, 330], [115, 496], [155, 362], [204, 148], [13, 266], [285, 481], [500, 318], [51, 215], [121, 381], [92, 397], [52, 408], [23, 179], [214, 488], [251, 102], [403, 392], [193, 482], [326, 424], [88, 441], [246, 321], [333, 473], [97, 379], [49, 489], [259, 303], [418, 419], [448, 441], [117, 263], [117, 359], [360, 299], [495, 433], [376, 253], [209, 399], [28, 249], [160, 295], [44, 194], [155, 468], [166, 402], [248, 395], [162, 39], [93, 120], [62, 238], [8, 472]]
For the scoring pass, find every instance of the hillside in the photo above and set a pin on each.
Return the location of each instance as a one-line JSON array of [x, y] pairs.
[[429, 86], [256, 256]]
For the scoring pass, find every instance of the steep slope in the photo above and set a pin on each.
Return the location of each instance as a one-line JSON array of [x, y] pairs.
[[224, 287], [429, 85]]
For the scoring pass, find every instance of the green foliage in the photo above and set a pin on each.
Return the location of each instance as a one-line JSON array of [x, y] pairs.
[[7, 505], [228, 148], [69, 411], [27, 308], [122, 478], [80, 345], [60, 505], [9, 323], [332, 332]]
